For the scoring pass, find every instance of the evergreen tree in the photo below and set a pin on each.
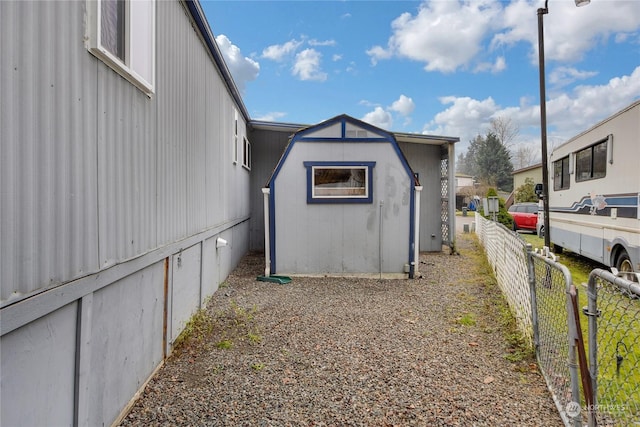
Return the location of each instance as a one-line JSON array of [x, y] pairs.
[[494, 163]]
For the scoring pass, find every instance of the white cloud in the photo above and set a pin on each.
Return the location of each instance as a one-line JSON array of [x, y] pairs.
[[455, 34], [445, 35], [379, 117], [403, 105], [377, 53], [307, 66], [271, 117], [567, 114], [569, 32], [499, 65], [314, 42], [278, 52], [336, 57], [242, 69], [563, 76]]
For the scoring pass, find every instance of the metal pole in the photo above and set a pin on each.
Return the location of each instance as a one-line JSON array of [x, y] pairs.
[[543, 125]]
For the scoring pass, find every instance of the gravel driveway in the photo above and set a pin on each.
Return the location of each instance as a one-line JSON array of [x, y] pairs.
[[351, 352]]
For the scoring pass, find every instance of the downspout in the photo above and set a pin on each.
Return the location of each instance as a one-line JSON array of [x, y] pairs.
[[267, 241], [416, 238]]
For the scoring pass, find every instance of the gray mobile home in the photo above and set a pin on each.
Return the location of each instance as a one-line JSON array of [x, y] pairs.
[[343, 200], [125, 198], [129, 192]]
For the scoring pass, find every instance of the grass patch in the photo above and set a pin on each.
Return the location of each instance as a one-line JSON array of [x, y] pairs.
[[517, 348], [224, 344], [467, 319]]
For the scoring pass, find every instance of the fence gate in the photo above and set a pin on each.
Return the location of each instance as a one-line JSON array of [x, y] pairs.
[[614, 348]]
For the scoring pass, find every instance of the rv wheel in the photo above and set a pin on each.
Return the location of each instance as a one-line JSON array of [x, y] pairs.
[[623, 264]]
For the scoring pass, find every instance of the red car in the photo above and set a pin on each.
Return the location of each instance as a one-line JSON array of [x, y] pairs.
[[525, 216]]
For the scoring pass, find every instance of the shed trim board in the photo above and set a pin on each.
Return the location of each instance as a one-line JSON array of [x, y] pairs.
[[342, 120]]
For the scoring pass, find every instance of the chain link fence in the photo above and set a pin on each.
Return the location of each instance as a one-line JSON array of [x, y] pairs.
[[614, 348], [555, 334], [603, 391]]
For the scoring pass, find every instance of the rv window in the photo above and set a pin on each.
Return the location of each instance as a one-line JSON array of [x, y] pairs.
[[591, 163], [121, 33], [561, 174], [339, 182]]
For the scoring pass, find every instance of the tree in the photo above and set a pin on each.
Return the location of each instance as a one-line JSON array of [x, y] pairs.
[[526, 192], [504, 129], [461, 164], [524, 155], [494, 163]]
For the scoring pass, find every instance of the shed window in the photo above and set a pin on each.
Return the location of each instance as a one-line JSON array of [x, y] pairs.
[[591, 163], [339, 182], [121, 33]]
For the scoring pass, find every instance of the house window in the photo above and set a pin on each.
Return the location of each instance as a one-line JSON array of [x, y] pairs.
[[339, 182], [235, 138], [246, 156], [121, 33], [591, 162], [561, 174]]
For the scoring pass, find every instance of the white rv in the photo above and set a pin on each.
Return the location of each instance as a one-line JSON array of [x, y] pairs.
[[594, 192]]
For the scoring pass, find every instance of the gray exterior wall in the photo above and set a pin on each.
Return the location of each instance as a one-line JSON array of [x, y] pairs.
[[110, 210], [425, 161], [268, 146]]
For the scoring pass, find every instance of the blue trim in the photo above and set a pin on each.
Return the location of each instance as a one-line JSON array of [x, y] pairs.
[[627, 205], [339, 200]]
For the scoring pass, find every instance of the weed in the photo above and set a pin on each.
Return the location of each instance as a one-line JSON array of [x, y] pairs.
[[467, 319], [257, 366], [237, 324], [254, 338], [225, 344], [199, 326]]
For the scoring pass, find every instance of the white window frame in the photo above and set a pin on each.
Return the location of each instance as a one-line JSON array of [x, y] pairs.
[[235, 137], [246, 154], [347, 195], [138, 64]]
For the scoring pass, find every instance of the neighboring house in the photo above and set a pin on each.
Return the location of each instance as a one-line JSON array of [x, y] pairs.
[[464, 182], [520, 176], [131, 182], [343, 200], [465, 191]]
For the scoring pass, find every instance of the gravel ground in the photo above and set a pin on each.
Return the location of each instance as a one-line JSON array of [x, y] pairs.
[[351, 352]]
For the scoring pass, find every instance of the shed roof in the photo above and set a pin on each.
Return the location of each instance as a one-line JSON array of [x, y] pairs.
[[413, 138]]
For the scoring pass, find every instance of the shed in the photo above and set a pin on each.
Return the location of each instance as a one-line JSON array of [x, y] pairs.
[[342, 200]]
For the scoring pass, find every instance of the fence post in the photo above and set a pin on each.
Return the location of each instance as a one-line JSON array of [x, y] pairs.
[[573, 333], [532, 292], [592, 313]]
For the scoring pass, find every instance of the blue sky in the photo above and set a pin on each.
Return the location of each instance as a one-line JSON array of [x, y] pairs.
[[441, 67]]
